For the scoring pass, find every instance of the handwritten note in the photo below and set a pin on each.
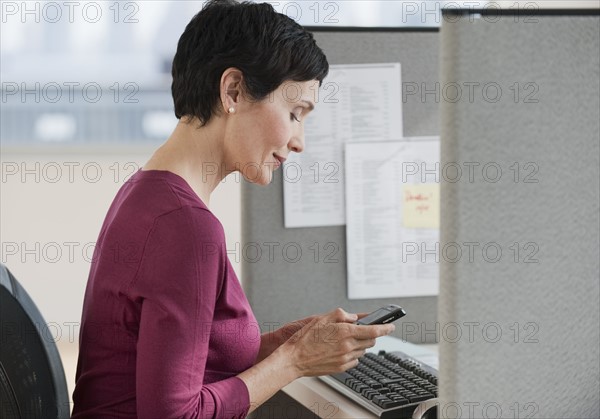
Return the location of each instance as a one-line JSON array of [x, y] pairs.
[[421, 205]]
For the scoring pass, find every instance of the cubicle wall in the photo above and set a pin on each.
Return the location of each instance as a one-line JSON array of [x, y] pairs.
[[519, 309], [282, 291], [529, 319]]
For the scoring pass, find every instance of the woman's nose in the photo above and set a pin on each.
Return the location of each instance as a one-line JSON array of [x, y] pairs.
[[296, 144]]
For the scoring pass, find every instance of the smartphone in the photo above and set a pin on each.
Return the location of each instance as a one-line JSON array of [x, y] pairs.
[[383, 315]]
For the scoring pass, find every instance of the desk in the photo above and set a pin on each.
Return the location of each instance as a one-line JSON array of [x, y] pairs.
[[317, 397]]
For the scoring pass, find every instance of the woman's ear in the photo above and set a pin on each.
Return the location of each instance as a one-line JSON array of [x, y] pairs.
[[231, 89]]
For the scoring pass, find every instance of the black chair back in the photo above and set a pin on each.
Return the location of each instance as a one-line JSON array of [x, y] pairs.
[[32, 380]]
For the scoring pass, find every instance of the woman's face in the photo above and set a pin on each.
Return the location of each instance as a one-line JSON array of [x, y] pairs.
[[260, 135]]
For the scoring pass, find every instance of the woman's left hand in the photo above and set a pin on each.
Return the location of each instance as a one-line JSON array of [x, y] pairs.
[[272, 340], [289, 329]]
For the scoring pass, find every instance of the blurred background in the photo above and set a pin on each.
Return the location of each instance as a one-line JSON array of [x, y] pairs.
[[85, 99]]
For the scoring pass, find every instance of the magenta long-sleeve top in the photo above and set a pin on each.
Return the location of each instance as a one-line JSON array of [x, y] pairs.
[[166, 326]]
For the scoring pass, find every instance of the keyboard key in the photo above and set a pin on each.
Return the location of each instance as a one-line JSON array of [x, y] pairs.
[[393, 403], [400, 399], [371, 394], [366, 391], [341, 377], [415, 399], [386, 381], [379, 400], [359, 387]]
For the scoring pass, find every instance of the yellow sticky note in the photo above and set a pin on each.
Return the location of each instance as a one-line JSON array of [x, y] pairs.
[[421, 205]]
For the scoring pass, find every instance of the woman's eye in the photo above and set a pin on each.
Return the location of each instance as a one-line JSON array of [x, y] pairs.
[[294, 118]]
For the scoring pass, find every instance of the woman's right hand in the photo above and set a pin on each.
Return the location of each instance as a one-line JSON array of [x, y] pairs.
[[331, 343]]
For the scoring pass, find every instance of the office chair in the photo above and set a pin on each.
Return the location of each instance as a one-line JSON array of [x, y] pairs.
[[32, 380]]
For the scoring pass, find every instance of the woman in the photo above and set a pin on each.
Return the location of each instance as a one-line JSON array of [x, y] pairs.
[[166, 328]]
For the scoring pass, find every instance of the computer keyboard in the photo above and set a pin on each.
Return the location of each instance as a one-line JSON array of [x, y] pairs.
[[391, 385]]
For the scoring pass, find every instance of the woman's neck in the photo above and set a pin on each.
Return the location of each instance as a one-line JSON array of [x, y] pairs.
[[195, 154]]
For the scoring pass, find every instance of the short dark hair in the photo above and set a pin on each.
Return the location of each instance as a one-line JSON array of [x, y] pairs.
[[269, 48]]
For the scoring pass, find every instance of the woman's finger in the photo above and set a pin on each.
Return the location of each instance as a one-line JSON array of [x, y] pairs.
[[372, 331]]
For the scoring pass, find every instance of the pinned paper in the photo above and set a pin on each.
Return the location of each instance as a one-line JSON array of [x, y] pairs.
[[392, 219], [357, 102], [421, 205]]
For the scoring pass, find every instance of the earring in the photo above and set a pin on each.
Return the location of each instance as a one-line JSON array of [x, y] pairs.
[[231, 110]]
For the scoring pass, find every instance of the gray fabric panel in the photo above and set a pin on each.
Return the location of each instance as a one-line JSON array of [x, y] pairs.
[[281, 291], [551, 368]]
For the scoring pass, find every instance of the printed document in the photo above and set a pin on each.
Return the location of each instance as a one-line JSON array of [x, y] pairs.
[[393, 218], [356, 102]]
